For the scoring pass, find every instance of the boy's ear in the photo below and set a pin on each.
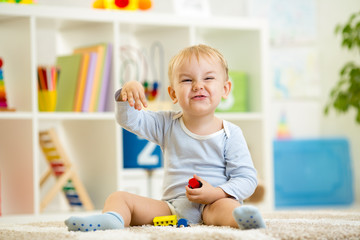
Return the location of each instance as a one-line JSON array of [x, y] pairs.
[[227, 89], [172, 94]]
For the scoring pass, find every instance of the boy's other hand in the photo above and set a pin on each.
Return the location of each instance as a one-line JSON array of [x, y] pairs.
[[206, 194], [134, 93]]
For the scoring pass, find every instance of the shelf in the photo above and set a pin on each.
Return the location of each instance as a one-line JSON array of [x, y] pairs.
[[76, 116], [58, 116], [16, 115], [33, 35]]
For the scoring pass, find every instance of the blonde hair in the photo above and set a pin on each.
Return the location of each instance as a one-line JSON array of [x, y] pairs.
[[197, 51]]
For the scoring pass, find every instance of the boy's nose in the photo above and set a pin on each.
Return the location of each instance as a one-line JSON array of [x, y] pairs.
[[197, 86]]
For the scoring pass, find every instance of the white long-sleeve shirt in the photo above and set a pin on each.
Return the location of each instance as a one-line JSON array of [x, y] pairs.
[[222, 158]]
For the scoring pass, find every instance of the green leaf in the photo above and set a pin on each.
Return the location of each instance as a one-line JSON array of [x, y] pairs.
[[347, 29], [346, 92], [356, 80], [333, 92], [358, 117], [357, 42], [355, 75], [346, 67], [341, 83], [326, 110], [352, 17], [338, 29]]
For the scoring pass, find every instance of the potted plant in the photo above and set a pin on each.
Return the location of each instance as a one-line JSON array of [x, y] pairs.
[[346, 93]]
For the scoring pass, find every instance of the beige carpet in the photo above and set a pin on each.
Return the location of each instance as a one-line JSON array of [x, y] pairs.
[[323, 224]]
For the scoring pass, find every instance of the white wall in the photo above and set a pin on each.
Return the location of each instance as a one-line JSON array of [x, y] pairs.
[[332, 58]]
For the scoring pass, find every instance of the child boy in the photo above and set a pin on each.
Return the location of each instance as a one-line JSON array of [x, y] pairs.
[[195, 143]]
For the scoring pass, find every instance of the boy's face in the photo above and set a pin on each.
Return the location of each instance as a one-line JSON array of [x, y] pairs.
[[198, 86]]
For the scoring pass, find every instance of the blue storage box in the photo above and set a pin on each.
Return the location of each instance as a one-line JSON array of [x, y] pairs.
[[140, 153], [312, 172]]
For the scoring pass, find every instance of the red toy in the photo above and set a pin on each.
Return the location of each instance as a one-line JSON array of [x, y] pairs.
[[193, 183]]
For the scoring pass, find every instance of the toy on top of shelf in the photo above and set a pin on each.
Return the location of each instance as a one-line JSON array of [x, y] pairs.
[[144, 4], [123, 4], [194, 183], [19, 1]]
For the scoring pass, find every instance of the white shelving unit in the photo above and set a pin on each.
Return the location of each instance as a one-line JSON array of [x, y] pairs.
[[32, 35]]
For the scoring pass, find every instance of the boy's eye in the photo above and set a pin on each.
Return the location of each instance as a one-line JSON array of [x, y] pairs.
[[209, 78], [186, 80]]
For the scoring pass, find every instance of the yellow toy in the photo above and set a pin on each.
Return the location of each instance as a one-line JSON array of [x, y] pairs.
[[165, 221], [122, 4]]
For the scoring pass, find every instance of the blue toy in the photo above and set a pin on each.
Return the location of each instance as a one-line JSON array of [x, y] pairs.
[[182, 223]]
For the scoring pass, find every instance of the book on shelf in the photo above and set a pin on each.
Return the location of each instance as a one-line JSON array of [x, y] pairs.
[[89, 82], [83, 80], [80, 88], [101, 75], [69, 74], [106, 79]]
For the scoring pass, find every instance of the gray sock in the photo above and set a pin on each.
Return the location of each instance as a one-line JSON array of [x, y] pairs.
[[248, 217], [105, 221]]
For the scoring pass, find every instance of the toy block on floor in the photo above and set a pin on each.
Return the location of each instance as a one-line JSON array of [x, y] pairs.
[[60, 166]]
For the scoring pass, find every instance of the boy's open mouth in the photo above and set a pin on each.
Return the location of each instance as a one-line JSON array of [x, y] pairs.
[[199, 97]]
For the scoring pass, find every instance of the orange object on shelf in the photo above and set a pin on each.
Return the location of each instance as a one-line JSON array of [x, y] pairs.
[[131, 5], [144, 4]]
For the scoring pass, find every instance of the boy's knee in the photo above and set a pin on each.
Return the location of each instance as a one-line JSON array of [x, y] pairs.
[[219, 213], [118, 196], [226, 202]]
